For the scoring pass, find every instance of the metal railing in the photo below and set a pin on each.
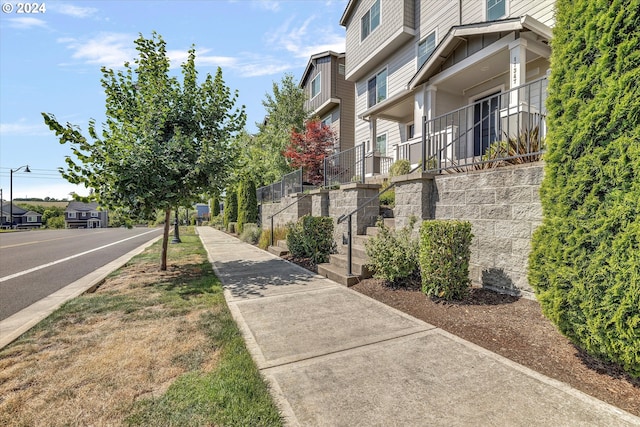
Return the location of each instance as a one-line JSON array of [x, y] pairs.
[[345, 166], [291, 183], [282, 210], [506, 128]]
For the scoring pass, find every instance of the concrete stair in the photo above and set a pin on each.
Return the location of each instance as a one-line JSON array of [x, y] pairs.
[[336, 268], [280, 248]]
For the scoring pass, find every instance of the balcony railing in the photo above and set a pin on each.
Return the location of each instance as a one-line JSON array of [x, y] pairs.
[[507, 128], [354, 165], [273, 193]]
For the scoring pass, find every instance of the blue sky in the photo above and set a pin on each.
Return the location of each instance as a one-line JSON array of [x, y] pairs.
[[50, 62]]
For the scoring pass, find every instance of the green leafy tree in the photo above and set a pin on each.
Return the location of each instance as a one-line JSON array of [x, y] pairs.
[[585, 259], [230, 207], [284, 112], [164, 143], [247, 204]]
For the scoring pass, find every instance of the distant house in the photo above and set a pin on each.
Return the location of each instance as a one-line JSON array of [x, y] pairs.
[[21, 217], [85, 215], [330, 97]]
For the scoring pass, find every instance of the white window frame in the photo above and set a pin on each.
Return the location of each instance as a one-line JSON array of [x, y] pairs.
[[32, 218], [95, 215], [71, 215], [376, 148], [327, 121], [409, 133], [341, 69], [377, 87], [313, 82], [368, 18], [492, 4], [422, 59]]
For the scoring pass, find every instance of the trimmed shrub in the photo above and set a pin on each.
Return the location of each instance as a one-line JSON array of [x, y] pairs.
[[232, 227], [585, 259], [445, 249], [400, 167], [230, 207], [279, 233], [311, 237], [393, 256], [250, 233], [215, 205], [247, 204]]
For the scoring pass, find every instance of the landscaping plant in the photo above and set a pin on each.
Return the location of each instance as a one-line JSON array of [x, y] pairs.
[[247, 204], [585, 258], [393, 255], [445, 249], [311, 237]]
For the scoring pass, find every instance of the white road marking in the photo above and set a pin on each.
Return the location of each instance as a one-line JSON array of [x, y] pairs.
[[49, 264]]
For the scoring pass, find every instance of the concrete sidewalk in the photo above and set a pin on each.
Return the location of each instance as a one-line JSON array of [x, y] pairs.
[[334, 357]]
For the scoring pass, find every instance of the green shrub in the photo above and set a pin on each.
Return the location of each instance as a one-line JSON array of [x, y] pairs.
[[393, 256], [56, 222], [215, 205], [585, 259], [279, 233], [232, 227], [445, 249], [311, 237], [400, 167], [250, 233], [388, 198], [217, 222], [247, 204], [230, 207]]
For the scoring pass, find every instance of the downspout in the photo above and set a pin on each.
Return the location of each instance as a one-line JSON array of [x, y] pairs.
[[459, 12]]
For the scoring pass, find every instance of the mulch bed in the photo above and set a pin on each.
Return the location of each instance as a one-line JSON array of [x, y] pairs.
[[514, 328]]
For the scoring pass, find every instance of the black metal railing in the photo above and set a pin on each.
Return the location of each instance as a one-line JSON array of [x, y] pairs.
[[505, 128], [345, 166], [290, 183], [280, 211]]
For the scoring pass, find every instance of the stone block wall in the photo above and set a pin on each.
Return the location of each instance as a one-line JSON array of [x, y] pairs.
[[503, 207], [290, 214], [346, 200]]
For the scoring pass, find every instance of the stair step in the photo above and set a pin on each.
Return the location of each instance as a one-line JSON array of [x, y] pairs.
[[336, 274], [372, 231], [282, 244], [390, 222], [358, 265], [360, 240], [278, 251]]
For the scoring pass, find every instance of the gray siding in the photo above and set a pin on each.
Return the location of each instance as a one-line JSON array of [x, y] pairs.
[[322, 67]]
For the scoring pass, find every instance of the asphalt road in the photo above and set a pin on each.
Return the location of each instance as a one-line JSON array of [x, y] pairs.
[[34, 264]]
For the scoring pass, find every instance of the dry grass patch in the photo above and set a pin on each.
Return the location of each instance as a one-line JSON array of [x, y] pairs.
[[100, 356]]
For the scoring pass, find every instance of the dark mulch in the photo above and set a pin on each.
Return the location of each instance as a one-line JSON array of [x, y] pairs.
[[514, 328]]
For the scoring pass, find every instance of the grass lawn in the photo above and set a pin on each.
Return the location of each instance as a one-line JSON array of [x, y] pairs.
[[147, 348]]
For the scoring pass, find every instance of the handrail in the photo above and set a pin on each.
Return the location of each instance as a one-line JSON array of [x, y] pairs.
[[350, 215], [283, 209]]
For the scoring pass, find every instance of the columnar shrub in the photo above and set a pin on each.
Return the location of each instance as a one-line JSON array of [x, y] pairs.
[[311, 237], [247, 204], [445, 249], [393, 256], [585, 258], [230, 207]]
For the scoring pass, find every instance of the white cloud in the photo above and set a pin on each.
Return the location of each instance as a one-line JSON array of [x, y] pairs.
[[27, 23], [107, 49], [179, 57], [22, 127], [73, 10], [270, 5], [304, 40]]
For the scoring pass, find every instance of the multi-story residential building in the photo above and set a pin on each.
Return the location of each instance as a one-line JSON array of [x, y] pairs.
[[330, 97], [85, 215], [453, 63]]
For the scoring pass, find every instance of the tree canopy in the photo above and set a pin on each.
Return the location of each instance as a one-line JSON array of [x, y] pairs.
[[308, 149], [164, 144]]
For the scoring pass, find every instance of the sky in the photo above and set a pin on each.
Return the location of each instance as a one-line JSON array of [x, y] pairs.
[[50, 61]]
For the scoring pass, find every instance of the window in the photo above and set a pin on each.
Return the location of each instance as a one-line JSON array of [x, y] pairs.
[[411, 129], [32, 219], [425, 47], [71, 214], [370, 20], [377, 88], [84, 214], [381, 144], [94, 215], [315, 86], [496, 9], [327, 121], [341, 69]]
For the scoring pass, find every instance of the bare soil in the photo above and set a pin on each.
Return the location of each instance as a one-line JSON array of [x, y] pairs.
[[514, 328]]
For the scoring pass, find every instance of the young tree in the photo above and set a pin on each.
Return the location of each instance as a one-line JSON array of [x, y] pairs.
[[230, 207], [247, 204], [585, 258], [163, 144], [308, 150]]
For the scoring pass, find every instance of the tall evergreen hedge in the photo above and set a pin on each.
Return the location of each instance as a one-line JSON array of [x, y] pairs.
[[230, 207], [585, 259], [247, 204]]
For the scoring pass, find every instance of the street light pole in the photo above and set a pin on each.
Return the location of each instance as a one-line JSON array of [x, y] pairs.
[[11, 192]]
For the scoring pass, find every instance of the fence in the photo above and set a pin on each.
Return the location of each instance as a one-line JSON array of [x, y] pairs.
[[354, 165], [290, 183], [506, 128]]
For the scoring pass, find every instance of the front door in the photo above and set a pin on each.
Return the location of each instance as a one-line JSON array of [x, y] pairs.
[[485, 119]]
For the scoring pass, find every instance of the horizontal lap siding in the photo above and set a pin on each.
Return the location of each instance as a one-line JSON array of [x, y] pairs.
[[323, 66], [542, 10]]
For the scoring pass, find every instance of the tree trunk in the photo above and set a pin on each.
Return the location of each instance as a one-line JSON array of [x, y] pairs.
[[165, 239]]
